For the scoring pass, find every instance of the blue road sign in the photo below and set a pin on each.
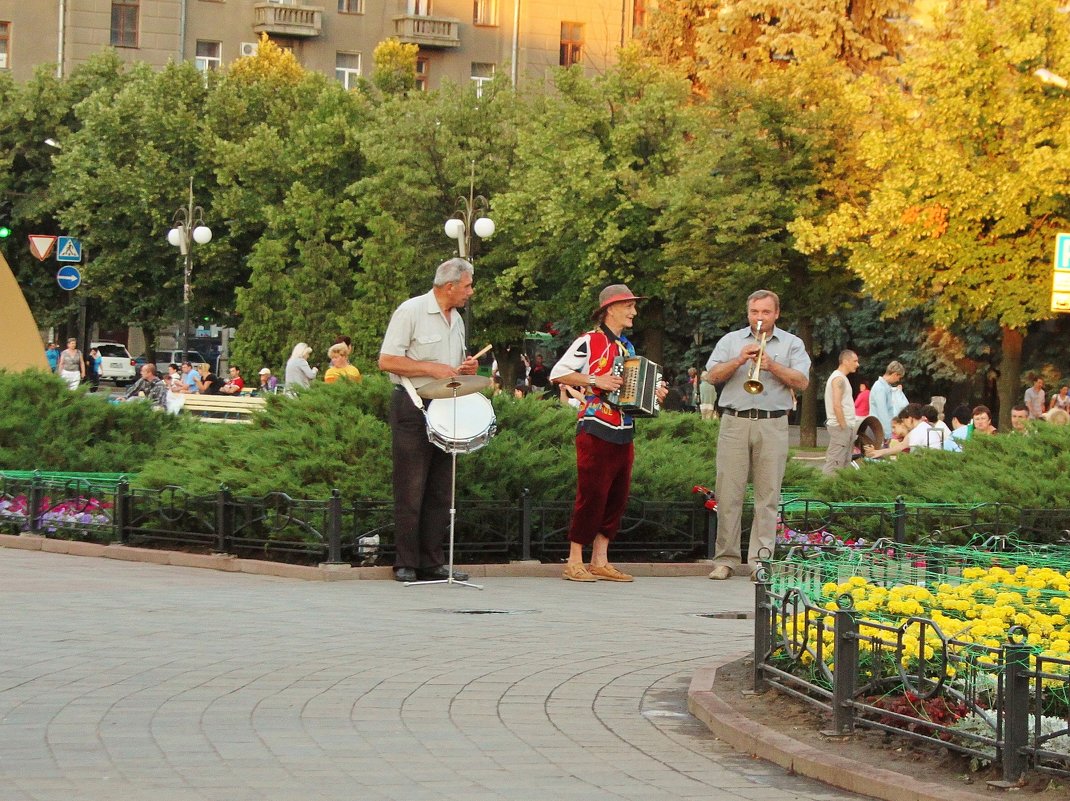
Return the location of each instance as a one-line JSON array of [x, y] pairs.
[[1062, 252], [68, 249], [68, 277]]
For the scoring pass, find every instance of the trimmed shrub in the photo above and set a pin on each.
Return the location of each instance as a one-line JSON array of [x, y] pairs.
[[337, 436], [45, 426], [1027, 470]]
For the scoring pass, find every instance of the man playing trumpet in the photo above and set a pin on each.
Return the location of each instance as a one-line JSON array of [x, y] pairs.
[[761, 367]]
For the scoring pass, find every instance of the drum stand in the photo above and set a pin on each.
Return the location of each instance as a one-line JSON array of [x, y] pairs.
[[453, 519]]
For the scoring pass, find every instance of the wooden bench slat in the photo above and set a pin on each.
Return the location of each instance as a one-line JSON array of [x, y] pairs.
[[234, 408]]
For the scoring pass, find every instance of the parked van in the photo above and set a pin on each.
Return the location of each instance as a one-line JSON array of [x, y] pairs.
[[165, 358], [115, 362]]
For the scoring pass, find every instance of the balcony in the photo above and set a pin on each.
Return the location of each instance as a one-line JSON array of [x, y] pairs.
[[276, 19], [428, 31]]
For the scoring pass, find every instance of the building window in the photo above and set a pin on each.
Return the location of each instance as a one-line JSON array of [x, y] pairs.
[[209, 56], [5, 45], [350, 6], [423, 72], [482, 74], [347, 69], [571, 43], [124, 23], [485, 12], [418, 8], [638, 14]]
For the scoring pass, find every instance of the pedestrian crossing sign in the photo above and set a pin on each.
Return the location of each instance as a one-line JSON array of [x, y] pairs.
[[69, 249]]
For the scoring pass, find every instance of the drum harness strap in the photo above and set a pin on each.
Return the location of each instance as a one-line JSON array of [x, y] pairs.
[[409, 388]]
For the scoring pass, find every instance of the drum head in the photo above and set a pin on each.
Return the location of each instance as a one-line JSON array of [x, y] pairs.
[[461, 419]]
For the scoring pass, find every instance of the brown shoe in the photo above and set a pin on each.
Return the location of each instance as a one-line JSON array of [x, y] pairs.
[[577, 572], [608, 573], [721, 572]]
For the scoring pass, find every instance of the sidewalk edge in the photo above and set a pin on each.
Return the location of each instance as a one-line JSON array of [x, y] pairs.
[[750, 736], [323, 572]]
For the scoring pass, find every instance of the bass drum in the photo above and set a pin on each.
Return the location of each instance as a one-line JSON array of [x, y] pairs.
[[460, 425]]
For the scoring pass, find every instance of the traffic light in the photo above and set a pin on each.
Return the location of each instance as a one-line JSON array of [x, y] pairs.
[[5, 219]]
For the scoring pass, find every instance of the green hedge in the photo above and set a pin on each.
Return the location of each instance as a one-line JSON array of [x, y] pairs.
[[45, 426], [1028, 470], [336, 436]]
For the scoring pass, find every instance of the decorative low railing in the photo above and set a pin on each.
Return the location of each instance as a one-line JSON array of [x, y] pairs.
[[332, 530], [360, 531], [965, 647]]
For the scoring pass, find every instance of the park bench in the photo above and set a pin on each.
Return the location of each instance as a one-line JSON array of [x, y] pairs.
[[223, 408]]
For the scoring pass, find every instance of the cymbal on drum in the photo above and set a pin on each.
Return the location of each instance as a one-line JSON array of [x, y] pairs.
[[457, 386]]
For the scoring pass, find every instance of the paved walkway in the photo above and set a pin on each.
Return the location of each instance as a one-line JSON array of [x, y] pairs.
[[136, 682]]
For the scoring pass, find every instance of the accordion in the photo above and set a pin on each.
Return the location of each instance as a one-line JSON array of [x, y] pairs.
[[637, 396]]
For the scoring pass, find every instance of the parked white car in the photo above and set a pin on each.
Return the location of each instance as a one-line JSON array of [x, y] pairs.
[[115, 362]]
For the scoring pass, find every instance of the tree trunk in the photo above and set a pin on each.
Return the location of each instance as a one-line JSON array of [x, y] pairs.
[[1010, 374], [510, 365], [808, 404], [653, 345]]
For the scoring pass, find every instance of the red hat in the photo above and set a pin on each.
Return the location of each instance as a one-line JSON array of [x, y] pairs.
[[614, 293]]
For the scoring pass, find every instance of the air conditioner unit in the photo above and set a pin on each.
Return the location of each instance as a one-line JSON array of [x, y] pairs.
[[248, 48], [3, 61]]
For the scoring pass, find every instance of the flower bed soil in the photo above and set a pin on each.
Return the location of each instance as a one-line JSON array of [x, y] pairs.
[[938, 765]]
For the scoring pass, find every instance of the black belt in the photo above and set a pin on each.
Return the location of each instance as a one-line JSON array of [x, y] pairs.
[[755, 414]]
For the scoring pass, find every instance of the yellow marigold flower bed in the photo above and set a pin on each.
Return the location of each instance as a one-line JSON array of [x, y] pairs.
[[978, 607]]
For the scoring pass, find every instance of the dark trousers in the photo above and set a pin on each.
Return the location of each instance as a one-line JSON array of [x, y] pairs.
[[604, 477], [422, 477]]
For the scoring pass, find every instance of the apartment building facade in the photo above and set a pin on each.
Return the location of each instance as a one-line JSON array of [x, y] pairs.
[[459, 40]]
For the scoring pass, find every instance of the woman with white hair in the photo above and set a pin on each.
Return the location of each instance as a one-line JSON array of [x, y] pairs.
[[298, 373]]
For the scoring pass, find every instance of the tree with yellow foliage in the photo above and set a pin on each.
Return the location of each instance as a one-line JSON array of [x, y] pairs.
[[270, 62], [395, 66], [973, 153]]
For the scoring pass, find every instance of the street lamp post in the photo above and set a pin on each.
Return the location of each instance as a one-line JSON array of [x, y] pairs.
[[188, 227], [470, 217]]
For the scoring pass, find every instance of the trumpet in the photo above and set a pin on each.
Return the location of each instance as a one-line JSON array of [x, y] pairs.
[[753, 385]]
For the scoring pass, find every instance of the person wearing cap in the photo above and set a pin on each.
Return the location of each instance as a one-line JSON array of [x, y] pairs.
[[424, 342], [753, 438], [604, 447], [268, 382]]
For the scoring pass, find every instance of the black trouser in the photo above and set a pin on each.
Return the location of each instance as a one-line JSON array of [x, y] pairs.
[[421, 488]]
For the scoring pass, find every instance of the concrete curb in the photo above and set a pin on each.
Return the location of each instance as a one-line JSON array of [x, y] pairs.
[[324, 572], [817, 761]]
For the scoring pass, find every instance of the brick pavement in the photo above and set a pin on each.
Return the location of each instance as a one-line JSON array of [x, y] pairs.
[[139, 682]]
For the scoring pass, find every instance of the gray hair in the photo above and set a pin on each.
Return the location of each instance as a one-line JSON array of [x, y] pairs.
[[301, 351], [895, 367], [450, 271], [762, 294]]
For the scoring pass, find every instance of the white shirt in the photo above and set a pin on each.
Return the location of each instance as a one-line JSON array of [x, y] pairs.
[[847, 403], [919, 436], [419, 330]]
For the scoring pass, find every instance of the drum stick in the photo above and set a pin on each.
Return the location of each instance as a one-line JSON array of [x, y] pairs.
[[482, 352]]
